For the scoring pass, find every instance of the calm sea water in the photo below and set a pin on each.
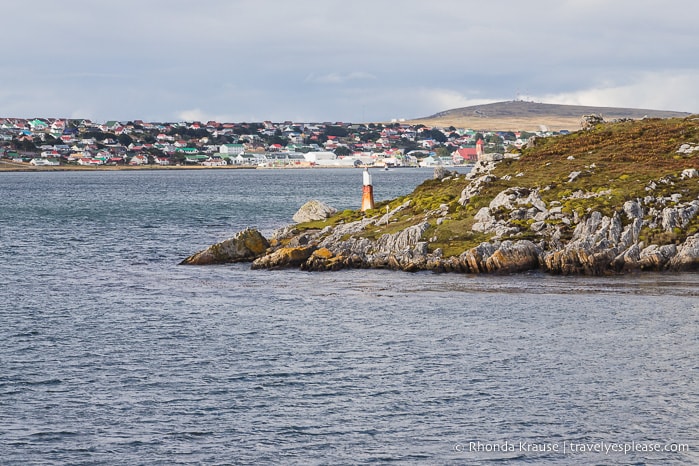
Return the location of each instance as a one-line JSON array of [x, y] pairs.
[[110, 353]]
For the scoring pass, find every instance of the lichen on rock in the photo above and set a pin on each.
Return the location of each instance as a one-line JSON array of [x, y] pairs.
[[284, 258], [245, 246]]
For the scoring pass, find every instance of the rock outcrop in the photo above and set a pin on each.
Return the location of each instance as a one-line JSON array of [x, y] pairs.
[[590, 121], [687, 256], [245, 246], [313, 210], [600, 244], [478, 177], [581, 216], [285, 257]]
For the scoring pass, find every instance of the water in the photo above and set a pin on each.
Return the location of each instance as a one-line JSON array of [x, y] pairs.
[[110, 353]]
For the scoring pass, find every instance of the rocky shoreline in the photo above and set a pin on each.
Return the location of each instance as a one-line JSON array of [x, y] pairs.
[[600, 244], [552, 211]]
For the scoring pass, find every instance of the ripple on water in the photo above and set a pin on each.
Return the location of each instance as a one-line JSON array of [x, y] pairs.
[[110, 353]]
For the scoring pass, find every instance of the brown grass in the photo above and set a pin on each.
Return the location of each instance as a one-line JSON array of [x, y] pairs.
[[530, 116], [532, 124], [616, 161]]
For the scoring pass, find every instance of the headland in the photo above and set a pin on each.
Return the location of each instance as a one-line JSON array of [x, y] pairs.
[[615, 197]]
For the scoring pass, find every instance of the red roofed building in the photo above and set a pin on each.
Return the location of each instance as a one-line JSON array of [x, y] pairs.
[[467, 153]]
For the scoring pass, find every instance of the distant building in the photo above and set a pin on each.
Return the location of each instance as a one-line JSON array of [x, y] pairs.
[[231, 149], [138, 160], [466, 153], [44, 162], [479, 149], [320, 158], [430, 161], [250, 159]]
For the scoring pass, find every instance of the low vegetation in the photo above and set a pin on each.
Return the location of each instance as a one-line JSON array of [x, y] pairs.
[[597, 169]]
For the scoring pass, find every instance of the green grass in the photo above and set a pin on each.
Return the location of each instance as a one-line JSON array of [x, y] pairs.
[[616, 160]]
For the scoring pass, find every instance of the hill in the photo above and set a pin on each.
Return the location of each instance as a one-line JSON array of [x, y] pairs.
[[530, 116]]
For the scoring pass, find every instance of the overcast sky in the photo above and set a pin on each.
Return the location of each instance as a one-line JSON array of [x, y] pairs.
[[327, 60]]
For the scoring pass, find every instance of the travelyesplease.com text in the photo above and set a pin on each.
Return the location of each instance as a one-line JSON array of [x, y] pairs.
[[567, 447]]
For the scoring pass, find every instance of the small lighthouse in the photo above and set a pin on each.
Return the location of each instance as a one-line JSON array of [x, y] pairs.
[[367, 192]]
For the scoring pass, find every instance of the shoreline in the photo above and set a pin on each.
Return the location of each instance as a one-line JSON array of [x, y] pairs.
[[17, 167]]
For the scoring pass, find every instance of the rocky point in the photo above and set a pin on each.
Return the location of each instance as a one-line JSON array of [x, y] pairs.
[[600, 201]]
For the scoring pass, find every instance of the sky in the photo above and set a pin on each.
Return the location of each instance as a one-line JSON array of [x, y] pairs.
[[351, 61]]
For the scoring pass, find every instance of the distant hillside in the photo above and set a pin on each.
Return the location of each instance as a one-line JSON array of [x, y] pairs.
[[530, 116]]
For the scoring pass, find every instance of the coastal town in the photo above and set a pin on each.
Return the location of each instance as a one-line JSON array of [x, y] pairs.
[[82, 143]]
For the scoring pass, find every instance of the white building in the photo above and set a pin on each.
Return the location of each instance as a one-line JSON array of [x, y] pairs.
[[430, 161], [321, 157], [214, 162], [250, 159], [44, 162], [231, 149]]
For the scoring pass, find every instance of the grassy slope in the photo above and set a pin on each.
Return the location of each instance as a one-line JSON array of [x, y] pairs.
[[529, 116], [625, 157]]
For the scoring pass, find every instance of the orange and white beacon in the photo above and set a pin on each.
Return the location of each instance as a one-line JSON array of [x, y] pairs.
[[367, 192]]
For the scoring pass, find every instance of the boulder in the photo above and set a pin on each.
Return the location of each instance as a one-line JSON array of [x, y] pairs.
[[491, 157], [580, 260], [312, 211], [517, 196], [474, 187], [628, 260], [513, 257], [401, 241], [284, 258], [689, 173], [687, 149], [387, 217], [573, 176], [440, 172], [656, 257], [538, 226], [245, 246], [633, 209], [588, 122], [687, 257], [474, 259], [678, 216], [323, 259]]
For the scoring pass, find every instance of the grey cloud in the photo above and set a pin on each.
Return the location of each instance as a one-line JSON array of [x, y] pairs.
[[337, 60]]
